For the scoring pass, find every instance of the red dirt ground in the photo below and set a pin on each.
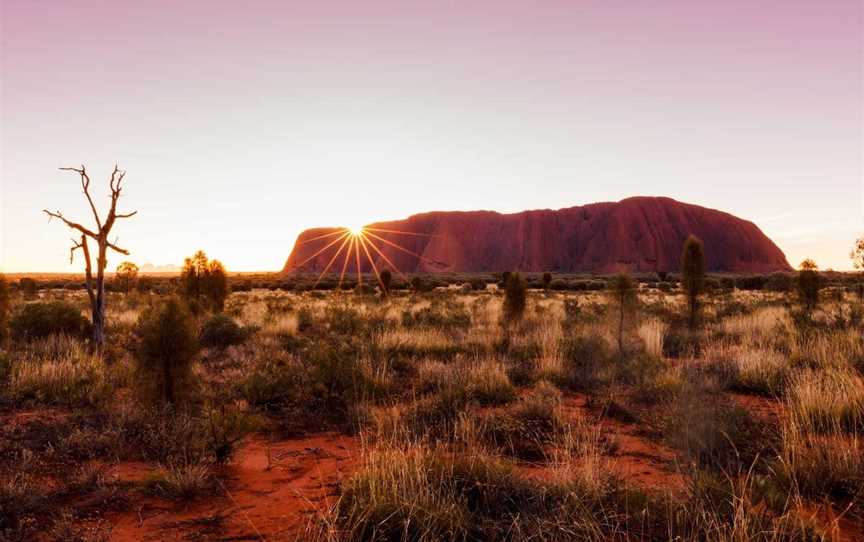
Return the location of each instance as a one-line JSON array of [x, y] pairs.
[[271, 492], [634, 458]]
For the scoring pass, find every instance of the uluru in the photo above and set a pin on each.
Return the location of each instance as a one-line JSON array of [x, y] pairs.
[[637, 234]]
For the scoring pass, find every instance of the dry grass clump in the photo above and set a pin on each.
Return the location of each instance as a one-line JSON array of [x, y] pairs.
[[653, 332], [822, 454], [842, 348], [528, 430], [183, 481], [750, 369], [282, 325], [423, 493], [58, 371], [486, 382], [423, 341], [433, 375], [817, 465], [732, 509], [760, 327], [827, 401]]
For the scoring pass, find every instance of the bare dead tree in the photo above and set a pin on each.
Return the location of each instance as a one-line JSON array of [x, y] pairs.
[[96, 291]]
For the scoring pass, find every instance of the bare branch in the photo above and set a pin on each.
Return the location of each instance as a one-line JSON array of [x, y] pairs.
[[118, 249], [116, 179], [75, 246], [73, 225], [85, 185], [126, 215]]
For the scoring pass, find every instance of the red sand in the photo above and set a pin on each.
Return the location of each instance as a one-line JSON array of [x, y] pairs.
[[271, 492]]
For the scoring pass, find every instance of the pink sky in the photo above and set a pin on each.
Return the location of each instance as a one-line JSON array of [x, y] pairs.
[[241, 123]]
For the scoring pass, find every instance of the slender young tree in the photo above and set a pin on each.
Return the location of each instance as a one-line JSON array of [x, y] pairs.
[[515, 297], [386, 278], [623, 292], [167, 344], [693, 276], [96, 285]]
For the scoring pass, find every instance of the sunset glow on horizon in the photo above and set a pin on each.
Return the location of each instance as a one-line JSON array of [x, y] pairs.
[[240, 125]]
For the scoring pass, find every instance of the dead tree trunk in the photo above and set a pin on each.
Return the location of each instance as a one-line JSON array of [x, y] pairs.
[[96, 289]]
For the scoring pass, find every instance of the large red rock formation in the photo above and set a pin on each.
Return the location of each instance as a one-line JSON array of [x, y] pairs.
[[637, 234]]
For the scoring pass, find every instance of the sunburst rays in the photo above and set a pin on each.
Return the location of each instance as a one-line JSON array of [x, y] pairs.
[[353, 244]]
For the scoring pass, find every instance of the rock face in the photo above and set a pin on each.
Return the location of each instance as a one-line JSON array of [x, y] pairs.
[[636, 234]]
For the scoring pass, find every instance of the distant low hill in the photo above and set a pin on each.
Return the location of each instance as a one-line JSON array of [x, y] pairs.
[[637, 234]]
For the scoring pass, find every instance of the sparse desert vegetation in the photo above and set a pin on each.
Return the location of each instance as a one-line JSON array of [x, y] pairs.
[[538, 411]]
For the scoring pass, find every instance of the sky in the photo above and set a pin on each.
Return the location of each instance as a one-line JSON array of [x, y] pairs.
[[242, 123]]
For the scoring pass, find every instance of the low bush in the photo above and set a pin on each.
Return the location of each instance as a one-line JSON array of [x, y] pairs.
[[221, 331], [274, 381], [587, 358], [718, 434], [41, 319], [680, 342], [528, 428], [226, 425]]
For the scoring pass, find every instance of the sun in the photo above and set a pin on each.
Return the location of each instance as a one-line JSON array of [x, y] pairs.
[[355, 230], [356, 242]]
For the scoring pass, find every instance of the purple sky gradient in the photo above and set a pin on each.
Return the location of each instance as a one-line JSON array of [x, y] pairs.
[[242, 123]]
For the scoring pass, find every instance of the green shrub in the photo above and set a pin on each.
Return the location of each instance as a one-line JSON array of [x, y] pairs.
[[221, 331], [41, 319], [336, 379], [167, 344]]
